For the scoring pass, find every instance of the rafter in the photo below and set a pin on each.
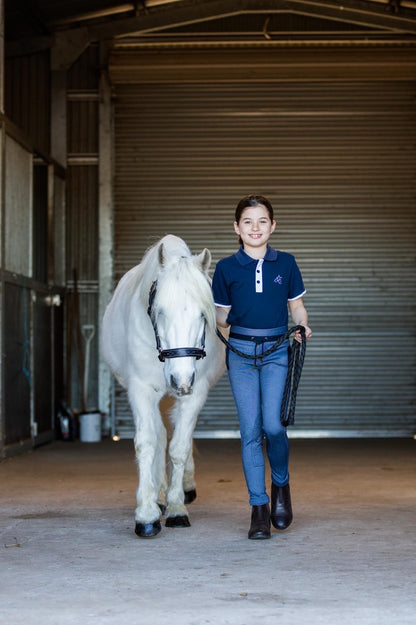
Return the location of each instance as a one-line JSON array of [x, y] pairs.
[[361, 12], [158, 18]]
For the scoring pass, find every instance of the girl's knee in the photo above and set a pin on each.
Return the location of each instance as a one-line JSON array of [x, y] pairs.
[[276, 433]]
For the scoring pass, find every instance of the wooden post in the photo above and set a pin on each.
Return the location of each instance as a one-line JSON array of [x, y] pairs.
[[106, 260]]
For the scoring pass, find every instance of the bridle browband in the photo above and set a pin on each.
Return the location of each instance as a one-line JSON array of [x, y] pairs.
[[176, 352]]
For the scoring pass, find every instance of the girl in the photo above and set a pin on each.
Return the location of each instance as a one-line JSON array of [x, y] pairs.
[[252, 291]]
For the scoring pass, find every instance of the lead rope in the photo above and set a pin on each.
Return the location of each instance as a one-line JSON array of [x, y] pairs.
[[296, 358]]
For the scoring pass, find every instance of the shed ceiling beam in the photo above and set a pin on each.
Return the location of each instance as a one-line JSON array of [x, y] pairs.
[[173, 15], [359, 12], [92, 15], [68, 46], [170, 16], [71, 42]]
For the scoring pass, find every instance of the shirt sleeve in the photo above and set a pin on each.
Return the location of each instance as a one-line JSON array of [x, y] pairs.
[[296, 286], [220, 289]]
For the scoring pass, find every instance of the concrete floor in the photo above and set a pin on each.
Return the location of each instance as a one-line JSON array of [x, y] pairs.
[[69, 553]]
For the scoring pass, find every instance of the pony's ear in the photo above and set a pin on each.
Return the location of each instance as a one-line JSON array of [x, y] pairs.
[[161, 255], [204, 259]]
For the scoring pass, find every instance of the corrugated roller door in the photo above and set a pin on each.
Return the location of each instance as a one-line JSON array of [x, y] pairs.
[[338, 162]]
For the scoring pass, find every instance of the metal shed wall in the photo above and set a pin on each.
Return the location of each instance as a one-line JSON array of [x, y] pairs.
[[32, 363], [337, 160], [27, 97], [82, 239]]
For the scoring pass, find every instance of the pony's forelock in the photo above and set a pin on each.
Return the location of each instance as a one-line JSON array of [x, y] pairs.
[[182, 277]]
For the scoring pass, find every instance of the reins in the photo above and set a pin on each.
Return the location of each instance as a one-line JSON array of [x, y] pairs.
[[296, 358]]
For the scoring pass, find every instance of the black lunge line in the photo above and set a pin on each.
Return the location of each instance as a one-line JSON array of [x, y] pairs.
[[294, 369]]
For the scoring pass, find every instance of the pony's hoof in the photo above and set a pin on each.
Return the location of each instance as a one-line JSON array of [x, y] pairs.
[[148, 530], [190, 496], [178, 521], [162, 507]]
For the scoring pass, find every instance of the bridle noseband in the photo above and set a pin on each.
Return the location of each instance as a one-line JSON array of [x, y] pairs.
[[176, 352]]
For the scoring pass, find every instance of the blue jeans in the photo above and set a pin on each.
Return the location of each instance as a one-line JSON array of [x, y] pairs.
[[257, 387]]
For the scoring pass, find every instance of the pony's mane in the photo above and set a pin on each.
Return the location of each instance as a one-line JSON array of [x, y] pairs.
[[147, 271], [181, 278]]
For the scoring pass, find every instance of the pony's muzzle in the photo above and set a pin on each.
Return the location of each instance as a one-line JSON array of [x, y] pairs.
[[181, 388]]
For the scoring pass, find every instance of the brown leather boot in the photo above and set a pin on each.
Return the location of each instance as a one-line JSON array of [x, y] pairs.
[[260, 522], [281, 507]]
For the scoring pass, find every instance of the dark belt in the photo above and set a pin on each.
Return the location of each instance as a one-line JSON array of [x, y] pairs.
[[256, 339]]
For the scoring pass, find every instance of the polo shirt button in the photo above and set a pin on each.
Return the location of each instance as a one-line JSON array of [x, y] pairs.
[[258, 281]]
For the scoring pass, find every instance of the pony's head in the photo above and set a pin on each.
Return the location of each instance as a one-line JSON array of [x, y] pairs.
[[181, 310]]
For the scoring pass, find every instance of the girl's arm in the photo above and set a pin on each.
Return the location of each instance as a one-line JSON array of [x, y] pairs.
[[299, 315], [221, 316]]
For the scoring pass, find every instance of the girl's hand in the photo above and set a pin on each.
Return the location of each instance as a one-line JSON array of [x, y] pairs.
[[300, 317], [298, 337]]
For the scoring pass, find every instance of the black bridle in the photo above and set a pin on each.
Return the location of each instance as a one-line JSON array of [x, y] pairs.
[[176, 352]]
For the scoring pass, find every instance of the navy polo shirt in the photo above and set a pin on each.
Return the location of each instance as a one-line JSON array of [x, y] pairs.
[[257, 290]]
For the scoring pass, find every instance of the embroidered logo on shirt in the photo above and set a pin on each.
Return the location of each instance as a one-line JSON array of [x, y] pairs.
[[278, 279]]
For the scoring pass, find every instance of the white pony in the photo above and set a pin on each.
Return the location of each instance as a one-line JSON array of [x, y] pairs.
[[164, 305]]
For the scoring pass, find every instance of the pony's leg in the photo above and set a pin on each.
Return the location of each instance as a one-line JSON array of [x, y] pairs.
[[160, 469], [144, 403], [184, 416], [189, 484]]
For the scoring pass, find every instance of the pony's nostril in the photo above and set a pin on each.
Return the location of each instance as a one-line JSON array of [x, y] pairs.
[[184, 388]]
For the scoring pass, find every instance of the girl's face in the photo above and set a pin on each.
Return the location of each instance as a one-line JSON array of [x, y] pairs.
[[255, 226]]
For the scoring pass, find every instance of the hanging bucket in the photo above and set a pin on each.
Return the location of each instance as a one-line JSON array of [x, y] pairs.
[[90, 427]]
